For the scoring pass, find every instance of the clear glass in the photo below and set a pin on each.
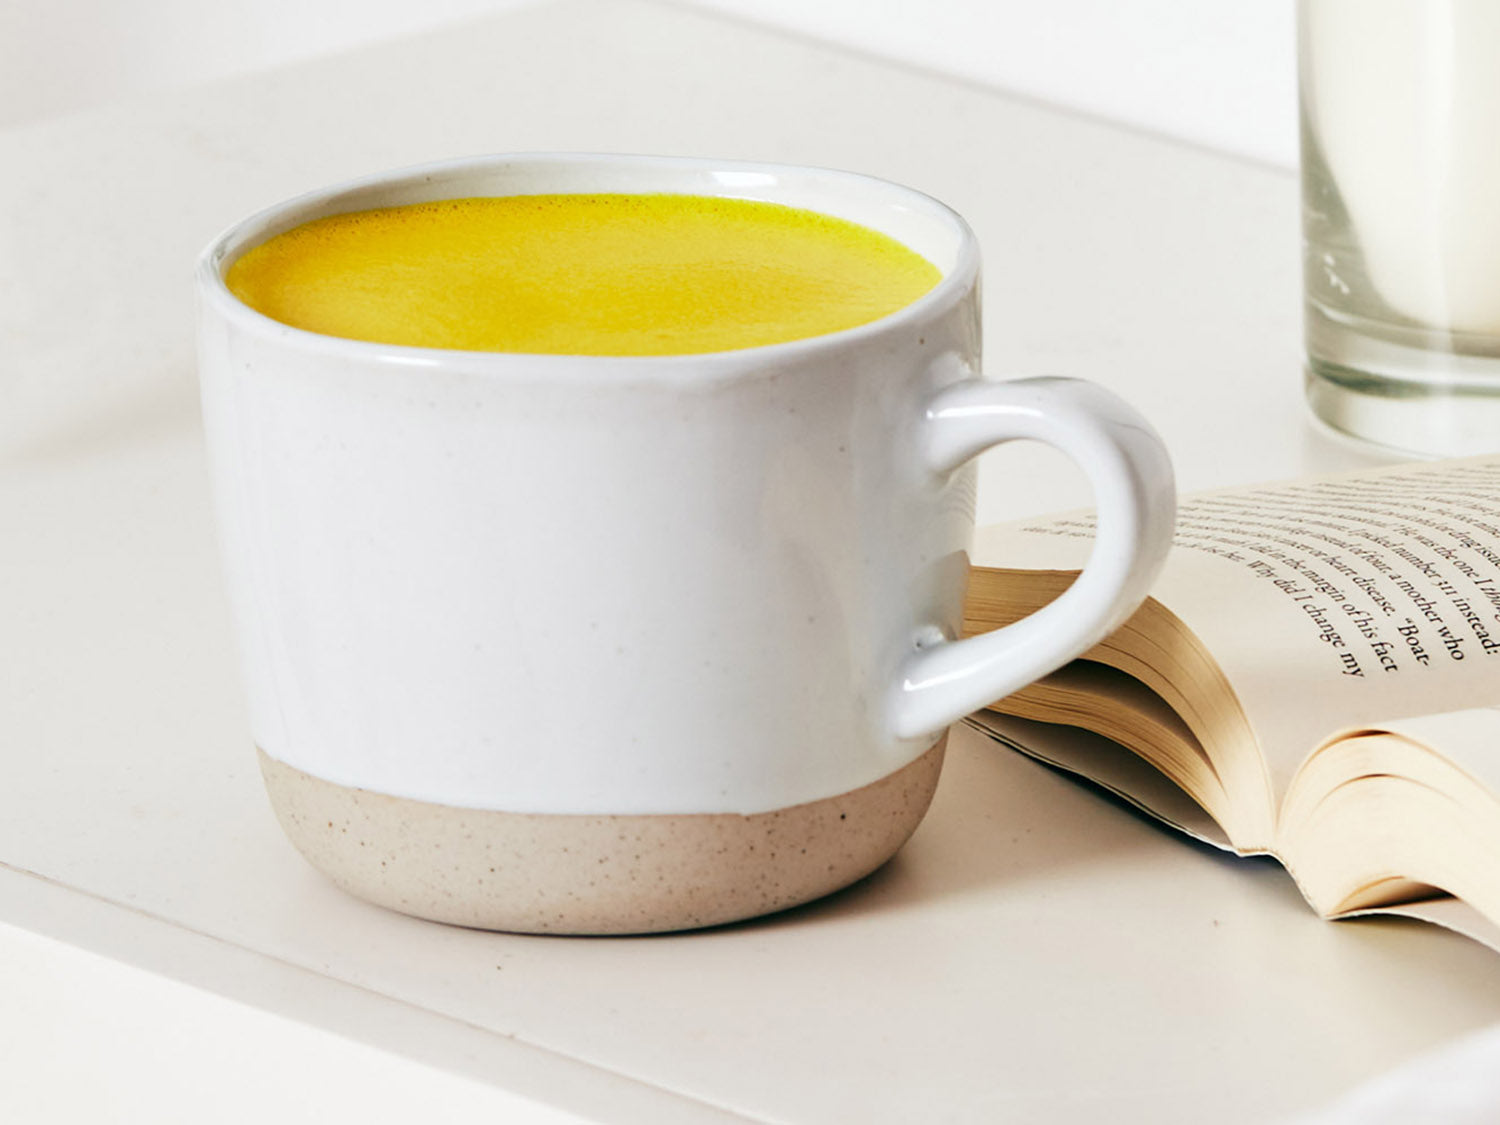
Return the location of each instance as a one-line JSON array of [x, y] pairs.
[[1400, 117]]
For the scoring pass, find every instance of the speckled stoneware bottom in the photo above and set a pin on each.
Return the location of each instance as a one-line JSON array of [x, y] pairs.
[[563, 874]]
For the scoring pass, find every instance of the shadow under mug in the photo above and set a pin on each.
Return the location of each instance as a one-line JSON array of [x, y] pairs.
[[597, 644]]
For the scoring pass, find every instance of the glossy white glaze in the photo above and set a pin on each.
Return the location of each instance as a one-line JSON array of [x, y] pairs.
[[633, 585], [1127, 466]]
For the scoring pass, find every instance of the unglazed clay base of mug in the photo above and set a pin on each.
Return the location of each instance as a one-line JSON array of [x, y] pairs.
[[583, 874]]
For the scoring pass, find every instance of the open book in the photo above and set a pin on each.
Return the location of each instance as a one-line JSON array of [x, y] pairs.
[[1317, 675]]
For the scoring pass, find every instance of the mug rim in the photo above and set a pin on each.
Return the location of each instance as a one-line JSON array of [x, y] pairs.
[[252, 230]]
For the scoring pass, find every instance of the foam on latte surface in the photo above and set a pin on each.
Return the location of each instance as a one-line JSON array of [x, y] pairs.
[[606, 274]]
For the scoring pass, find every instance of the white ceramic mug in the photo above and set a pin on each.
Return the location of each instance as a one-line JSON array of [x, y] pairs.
[[617, 644]]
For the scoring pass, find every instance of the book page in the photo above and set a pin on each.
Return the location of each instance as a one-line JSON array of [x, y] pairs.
[[1450, 913], [1469, 739], [1100, 761], [1415, 801], [1329, 602]]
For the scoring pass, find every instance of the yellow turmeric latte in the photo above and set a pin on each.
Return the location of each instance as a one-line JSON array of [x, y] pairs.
[[581, 274]]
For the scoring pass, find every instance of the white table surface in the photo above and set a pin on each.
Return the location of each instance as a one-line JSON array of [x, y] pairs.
[[1036, 953]]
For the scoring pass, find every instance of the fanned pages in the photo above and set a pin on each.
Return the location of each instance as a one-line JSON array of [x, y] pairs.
[[1316, 670]]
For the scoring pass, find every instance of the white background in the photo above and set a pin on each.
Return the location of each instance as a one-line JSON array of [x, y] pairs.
[[1215, 72], [100, 1035], [97, 1034]]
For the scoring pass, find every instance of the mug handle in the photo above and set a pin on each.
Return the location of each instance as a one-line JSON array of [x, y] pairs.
[[1131, 474]]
